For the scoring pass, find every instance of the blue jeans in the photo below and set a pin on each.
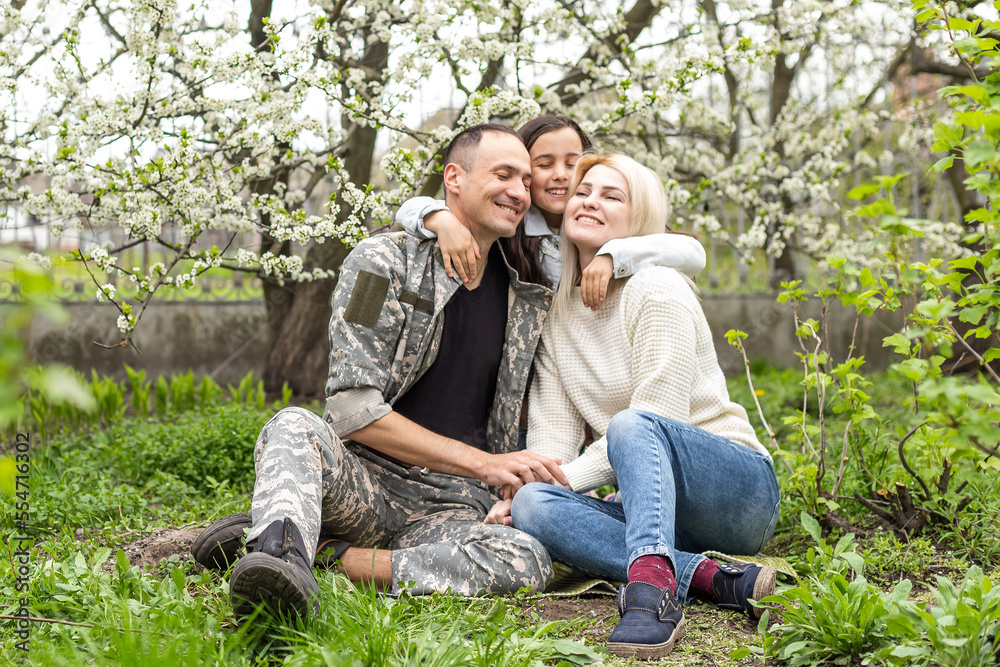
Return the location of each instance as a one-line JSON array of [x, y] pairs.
[[683, 491]]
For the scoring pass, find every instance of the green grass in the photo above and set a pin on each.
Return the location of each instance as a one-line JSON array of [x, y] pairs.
[[99, 487], [94, 493]]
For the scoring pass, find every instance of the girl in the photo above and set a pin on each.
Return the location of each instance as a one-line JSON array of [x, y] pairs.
[[643, 375]]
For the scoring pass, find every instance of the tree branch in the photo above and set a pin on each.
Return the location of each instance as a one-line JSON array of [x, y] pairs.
[[637, 19]]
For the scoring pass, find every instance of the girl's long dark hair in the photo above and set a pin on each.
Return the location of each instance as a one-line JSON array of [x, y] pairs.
[[522, 250]]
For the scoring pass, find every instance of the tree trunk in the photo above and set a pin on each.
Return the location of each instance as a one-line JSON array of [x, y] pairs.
[[781, 88], [300, 347]]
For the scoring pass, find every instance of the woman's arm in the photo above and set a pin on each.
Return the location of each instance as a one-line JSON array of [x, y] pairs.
[[673, 251], [556, 428], [620, 258], [411, 213]]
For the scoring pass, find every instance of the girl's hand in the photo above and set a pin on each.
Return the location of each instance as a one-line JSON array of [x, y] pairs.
[[500, 514], [458, 247], [595, 279]]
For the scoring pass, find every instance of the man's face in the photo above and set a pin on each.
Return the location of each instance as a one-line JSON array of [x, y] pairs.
[[493, 196]]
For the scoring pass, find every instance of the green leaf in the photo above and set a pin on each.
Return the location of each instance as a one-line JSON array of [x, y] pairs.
[[900, 592], [978, 93], [61, 385], [984, 393], [913, 369], [971, 119], [973, 314], [944, 163], [958, 23], [979, 153], [811, 525], [968, 263], [899, 343], [863, 191], [969, 46], [889, 181], [179, 580], [121, 562]]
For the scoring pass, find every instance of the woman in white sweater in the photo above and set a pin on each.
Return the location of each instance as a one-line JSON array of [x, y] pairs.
[[643, 374]]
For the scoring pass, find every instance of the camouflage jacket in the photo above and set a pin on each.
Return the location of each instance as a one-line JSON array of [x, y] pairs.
[[386, 328]]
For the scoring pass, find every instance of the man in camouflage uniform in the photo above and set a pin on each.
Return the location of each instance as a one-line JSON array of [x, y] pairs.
[[410, 502]]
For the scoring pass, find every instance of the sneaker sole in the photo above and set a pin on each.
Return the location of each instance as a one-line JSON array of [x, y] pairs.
[[262, 579], [763, 587], [218, 546], [647, 651]]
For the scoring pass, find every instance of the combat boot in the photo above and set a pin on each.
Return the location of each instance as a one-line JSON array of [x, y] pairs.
[[221, 544], [275, 572]]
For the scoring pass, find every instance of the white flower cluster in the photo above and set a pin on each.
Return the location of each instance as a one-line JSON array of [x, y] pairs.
[[43, 261], [208, 137]]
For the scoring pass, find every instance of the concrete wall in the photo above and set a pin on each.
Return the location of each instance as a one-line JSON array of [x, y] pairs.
[[227, 340], [222, 339]]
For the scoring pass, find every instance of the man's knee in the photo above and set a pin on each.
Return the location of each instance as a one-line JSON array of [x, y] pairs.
[[520, 560], [293, 419], [297, 428]]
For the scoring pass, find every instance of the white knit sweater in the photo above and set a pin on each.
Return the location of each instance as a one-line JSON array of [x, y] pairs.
[[649, 348]]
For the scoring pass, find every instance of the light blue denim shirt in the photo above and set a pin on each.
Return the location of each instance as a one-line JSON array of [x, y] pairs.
[[629, 256]]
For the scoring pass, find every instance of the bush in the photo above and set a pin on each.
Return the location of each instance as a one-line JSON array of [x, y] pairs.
[[833, 614]]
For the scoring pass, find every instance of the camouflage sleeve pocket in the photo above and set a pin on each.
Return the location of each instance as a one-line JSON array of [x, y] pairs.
[[367, 299]]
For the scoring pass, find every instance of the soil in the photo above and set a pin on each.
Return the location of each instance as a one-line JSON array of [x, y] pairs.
[[159, 545]]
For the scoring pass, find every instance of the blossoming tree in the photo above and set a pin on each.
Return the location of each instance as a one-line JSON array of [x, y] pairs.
[[173, 120]]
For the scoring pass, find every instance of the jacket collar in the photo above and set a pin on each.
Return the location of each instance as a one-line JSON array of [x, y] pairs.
[[534, 223]]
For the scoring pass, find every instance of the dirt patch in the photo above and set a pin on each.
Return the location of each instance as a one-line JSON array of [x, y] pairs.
[[591, 617], [597, 607], [162, 543]]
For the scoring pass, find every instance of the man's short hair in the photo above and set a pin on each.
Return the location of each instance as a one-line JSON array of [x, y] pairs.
[[462, 149]]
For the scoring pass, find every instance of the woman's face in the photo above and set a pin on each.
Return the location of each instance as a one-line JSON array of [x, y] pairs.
[[553, 157], [599, 210]]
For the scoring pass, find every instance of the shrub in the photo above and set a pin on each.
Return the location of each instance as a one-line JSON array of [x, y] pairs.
[[833, 614]]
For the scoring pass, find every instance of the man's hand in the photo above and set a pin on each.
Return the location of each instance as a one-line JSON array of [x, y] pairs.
[[500, 514], [458, 247], [520, 468], [595, 279], [402, 439]]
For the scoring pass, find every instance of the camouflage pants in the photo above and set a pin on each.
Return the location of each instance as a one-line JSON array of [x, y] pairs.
[[432, 523]]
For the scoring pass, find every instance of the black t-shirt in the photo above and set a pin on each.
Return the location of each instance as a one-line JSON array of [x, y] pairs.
[[455, 395]]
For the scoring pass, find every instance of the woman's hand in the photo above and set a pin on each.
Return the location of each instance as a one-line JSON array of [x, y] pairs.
[[458, 247], [595, 279], [500, 514]]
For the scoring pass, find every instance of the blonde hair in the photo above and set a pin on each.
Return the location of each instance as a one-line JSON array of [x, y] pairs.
[[649, 211]]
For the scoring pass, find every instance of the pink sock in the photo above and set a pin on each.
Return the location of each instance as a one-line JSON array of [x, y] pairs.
[[701, 583], [655, 570]]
